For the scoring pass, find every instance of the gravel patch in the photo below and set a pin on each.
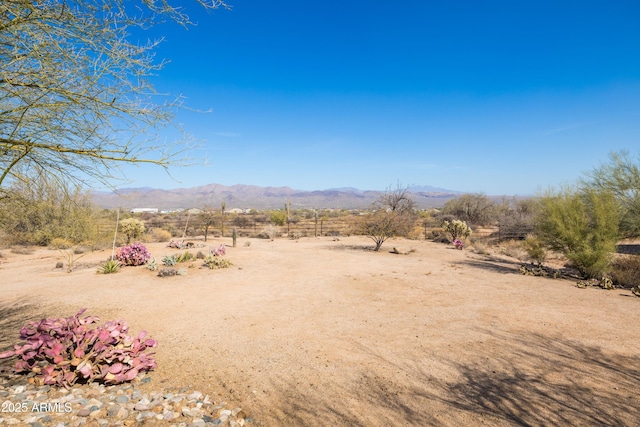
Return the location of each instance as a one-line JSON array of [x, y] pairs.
[[97, 405]]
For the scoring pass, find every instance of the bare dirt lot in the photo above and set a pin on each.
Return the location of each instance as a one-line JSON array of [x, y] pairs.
[[317, 332]]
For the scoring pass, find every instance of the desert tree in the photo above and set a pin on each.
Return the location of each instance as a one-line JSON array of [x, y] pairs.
[[393, 214], [207, 219], [581, 224], [474, 208], [621, 176], [75, 95]]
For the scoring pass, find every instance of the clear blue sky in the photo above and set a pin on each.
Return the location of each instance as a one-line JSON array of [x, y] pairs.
[[499, 97]]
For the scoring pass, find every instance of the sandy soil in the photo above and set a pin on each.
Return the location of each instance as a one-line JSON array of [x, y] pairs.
[[317, 332]]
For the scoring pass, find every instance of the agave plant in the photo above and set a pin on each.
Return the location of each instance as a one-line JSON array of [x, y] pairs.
[[152, 264], [109, 266], [63, 351], [169, 260]]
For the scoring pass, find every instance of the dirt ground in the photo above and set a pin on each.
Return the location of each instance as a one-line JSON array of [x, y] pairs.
[[319, 332]]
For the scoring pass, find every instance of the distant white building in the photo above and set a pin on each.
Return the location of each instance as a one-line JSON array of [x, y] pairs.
[[144, 210]]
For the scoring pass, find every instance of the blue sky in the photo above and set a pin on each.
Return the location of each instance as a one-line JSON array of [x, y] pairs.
[[499, 97]]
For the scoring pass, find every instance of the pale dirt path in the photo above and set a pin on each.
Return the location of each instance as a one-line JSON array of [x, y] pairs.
[[319, 332]]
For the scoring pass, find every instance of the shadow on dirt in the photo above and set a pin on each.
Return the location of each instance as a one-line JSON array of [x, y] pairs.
[[550, 382], [495, 265], [341, 247], [540, 381], [14, 316]]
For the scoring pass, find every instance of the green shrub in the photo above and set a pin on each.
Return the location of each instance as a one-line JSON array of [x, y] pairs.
[[458, 230], [60, 243], [109, 266], [278, 218], [535, 249], [215, 262], [132, 228], [583, 225], [184, 257]]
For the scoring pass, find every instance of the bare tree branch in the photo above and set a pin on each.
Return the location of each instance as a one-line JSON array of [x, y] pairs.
[[75, 99]]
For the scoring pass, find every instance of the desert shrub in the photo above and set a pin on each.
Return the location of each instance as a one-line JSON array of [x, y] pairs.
[[40, 211], [215, 262], [42, 237], [160, 235], [60, 243], [535, 249], [134, 254], [269, 232], [278, 218], [169, 260], [64, 351], [167, 272], [480, 247], [513, 249], [473, 208], [625, 271], [132, 228], [457, 229], [109, 266], [582, 225]]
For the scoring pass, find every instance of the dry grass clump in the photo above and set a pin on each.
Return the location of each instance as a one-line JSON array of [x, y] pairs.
[[160, 235], [513, 249], [481, 247], [625, 271]]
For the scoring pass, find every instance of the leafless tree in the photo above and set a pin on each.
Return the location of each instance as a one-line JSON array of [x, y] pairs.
[[75, 96], [393, 214]]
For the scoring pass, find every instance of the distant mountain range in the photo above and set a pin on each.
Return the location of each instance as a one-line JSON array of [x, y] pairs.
[[255, 197]]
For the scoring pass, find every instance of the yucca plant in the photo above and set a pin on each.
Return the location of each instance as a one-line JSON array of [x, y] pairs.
[[109, 266], [183, 257]]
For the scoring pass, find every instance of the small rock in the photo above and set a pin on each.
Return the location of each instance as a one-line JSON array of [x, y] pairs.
[[84, 412], [122, 399], [195, 395]]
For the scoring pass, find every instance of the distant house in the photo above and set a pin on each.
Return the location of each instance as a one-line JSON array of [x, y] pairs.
[[144, 210], [236, 211], [194, 211]]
